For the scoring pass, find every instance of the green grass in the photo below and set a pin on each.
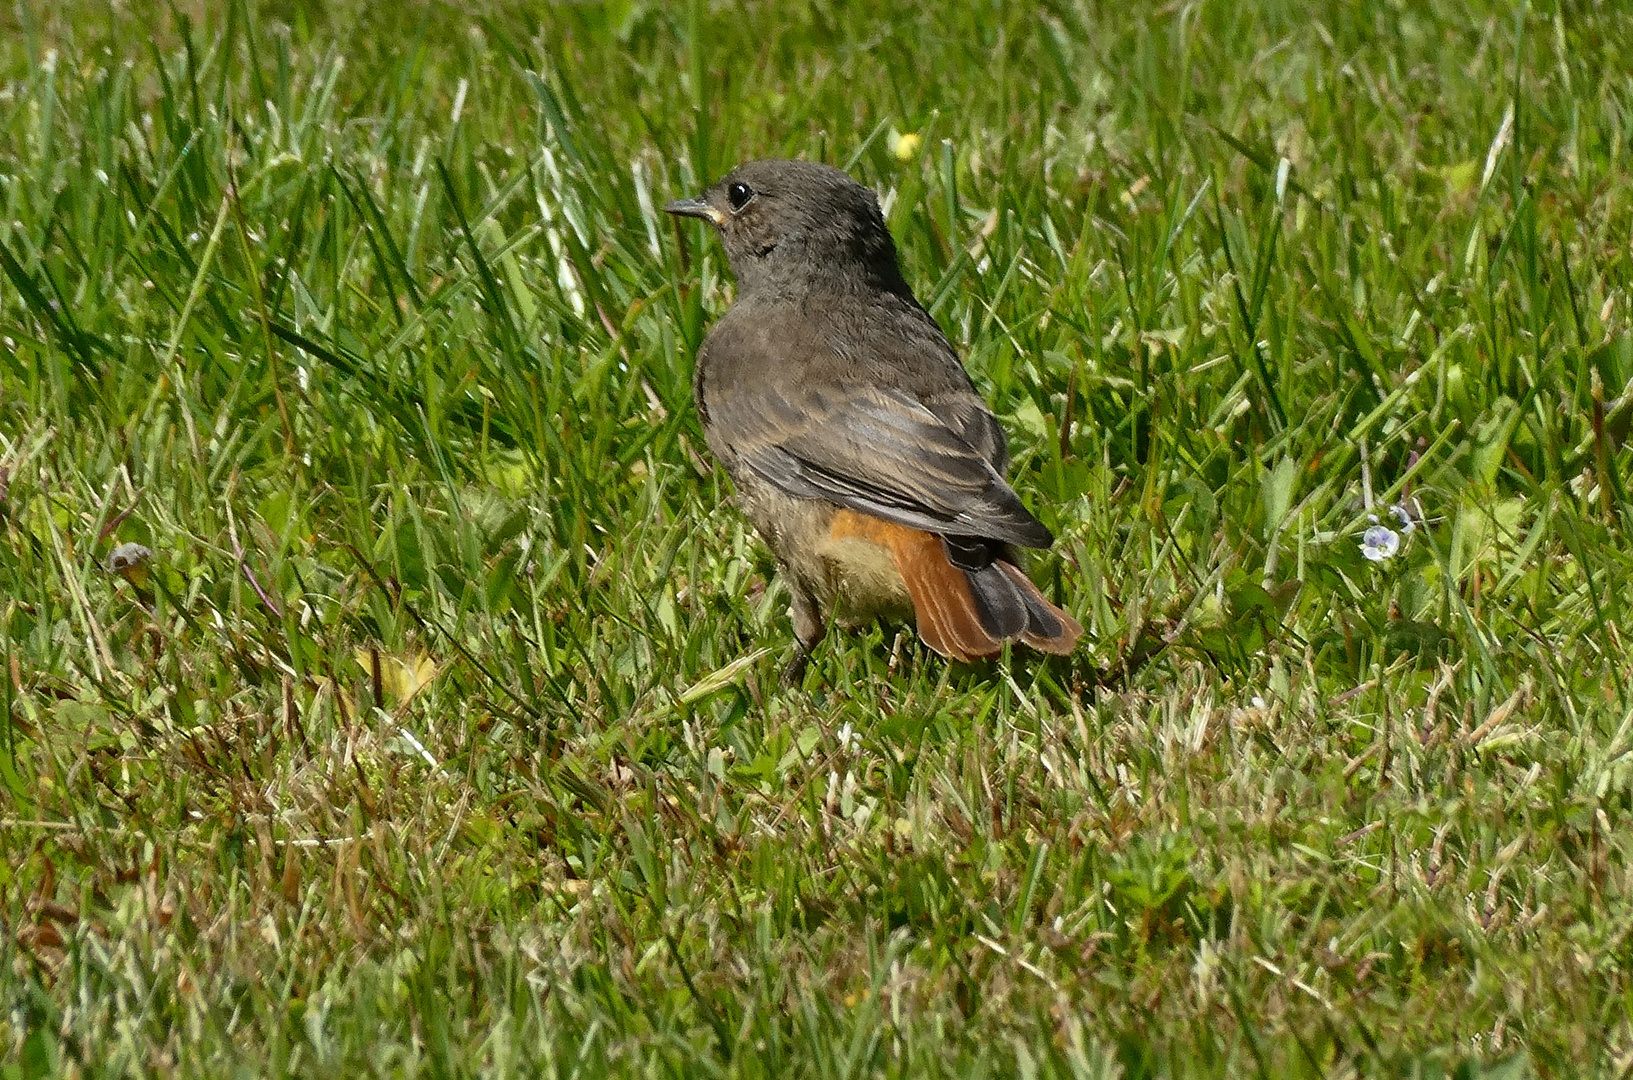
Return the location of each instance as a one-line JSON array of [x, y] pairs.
[[444, 736]]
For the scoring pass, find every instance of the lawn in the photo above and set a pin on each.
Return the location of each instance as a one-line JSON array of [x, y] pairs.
[[440, 733]]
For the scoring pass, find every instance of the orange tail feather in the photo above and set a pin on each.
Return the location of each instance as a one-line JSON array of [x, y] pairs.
[[944, 603], [946, 611]]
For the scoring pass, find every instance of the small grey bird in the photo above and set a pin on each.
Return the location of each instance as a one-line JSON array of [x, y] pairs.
[[857, 444]]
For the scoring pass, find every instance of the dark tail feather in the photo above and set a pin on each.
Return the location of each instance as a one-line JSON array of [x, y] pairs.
[[1009, 605], [999, 604], [1048, 629]]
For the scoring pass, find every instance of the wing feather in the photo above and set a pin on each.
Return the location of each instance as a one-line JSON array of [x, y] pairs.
[[894, 429]]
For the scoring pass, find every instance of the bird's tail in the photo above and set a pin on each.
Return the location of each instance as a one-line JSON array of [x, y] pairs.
[[967, 612]]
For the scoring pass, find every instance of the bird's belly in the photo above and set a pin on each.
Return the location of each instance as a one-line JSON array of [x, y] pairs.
[[863, 581], [849, 571]]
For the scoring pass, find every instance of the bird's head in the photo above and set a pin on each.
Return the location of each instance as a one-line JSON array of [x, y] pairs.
[[790, 224]]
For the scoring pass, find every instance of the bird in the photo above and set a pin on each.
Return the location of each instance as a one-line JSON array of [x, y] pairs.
[[856, 443]]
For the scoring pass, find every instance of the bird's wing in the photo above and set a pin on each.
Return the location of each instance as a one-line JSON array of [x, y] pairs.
[[854, 435]]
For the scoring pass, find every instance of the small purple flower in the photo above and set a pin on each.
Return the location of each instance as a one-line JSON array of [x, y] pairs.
[[1379, 543]]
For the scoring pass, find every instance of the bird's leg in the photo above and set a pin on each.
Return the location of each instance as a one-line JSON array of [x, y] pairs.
[[794, 673], [809, 630]]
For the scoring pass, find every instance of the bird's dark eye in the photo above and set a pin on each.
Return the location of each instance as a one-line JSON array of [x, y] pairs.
[[738, 195]]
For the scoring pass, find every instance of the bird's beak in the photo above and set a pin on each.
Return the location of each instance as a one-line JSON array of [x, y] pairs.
[[695, 208]]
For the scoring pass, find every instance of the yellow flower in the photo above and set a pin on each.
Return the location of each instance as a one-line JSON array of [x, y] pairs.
[[903, 147]]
